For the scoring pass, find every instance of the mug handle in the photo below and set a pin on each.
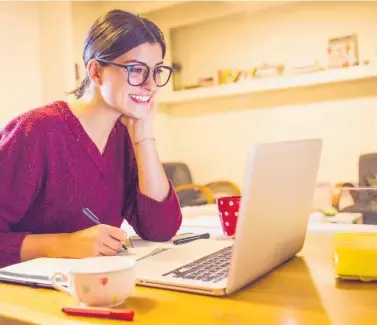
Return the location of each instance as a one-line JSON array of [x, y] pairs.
[[57, 285]]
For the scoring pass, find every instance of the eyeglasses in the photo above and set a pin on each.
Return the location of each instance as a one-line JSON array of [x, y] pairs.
[[138, 72]]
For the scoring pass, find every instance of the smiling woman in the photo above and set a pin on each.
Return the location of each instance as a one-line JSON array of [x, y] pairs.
[[132, 48], [97, 152]]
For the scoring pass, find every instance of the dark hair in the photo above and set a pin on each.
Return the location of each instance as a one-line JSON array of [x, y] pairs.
[[114, 34]]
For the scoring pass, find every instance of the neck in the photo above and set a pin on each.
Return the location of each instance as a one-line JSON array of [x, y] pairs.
[[97, 118]]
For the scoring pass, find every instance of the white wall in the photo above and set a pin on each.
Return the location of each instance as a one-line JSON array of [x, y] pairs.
[[56, 34], [36, 54], [215, 144], [21, 81], [83, 16], [139, 7]]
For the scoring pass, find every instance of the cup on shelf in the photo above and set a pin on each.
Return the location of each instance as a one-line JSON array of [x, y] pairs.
[[228, 208], [104, 281]]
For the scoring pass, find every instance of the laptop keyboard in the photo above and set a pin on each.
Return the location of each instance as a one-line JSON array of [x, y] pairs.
[[211, 268]]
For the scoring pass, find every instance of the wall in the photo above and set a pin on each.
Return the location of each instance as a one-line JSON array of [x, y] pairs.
[[21, 80], [139, 7], [36, 55], [215, 144], [56, 35], [194, 12], [83, 16]]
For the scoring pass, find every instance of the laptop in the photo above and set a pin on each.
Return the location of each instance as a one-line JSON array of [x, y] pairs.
[[276, 203]]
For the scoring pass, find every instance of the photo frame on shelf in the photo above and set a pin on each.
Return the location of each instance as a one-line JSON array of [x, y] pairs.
[[343, 52]]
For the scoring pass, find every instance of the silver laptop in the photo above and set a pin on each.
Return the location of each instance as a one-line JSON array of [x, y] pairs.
[[276, 203]]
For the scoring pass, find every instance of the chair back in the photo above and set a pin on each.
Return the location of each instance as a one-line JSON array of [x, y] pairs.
[[178, 173], [365, 200], [367, 178], [368, 170]]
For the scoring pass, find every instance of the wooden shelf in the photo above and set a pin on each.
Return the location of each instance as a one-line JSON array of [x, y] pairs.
[[265, 84]]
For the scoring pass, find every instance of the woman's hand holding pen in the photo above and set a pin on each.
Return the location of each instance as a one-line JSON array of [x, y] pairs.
[[96, 241]]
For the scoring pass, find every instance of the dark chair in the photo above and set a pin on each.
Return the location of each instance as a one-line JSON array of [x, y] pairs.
[[365, 200], [191, 194]]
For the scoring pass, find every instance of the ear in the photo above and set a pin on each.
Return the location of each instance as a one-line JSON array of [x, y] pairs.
[[94, 70]]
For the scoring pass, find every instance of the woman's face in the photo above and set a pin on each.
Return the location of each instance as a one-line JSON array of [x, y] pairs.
[[121, 88]]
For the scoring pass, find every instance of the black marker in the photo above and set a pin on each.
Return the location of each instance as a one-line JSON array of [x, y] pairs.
[[191, 238]]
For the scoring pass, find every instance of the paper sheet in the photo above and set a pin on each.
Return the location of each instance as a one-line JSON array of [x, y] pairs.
[[212, 224], [142, 249], [203, 222], [331, 228]]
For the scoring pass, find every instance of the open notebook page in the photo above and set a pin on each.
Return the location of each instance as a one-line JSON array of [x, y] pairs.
[[40, 270], [36, 271]]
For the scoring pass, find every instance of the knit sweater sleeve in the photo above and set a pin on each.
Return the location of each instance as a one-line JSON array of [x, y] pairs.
[[151, 219], [20, 180]]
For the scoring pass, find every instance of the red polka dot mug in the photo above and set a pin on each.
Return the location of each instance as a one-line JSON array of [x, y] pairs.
[[228, 207]]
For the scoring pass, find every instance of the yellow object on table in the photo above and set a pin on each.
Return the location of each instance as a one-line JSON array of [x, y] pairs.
[[355, 256]]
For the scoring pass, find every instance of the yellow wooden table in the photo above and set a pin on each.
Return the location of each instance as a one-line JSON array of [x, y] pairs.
[[303, 291]]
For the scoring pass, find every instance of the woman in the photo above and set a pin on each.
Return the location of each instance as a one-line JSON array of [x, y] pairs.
[[97, 152]]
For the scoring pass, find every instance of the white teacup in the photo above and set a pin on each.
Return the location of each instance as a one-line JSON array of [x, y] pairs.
[[104, 281]]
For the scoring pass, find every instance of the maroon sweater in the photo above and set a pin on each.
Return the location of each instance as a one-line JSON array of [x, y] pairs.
[[50, 169]]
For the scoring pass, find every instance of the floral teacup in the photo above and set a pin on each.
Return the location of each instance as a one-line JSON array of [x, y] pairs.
[[105, 281]]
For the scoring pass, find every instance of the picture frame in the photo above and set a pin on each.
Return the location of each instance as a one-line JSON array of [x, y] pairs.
[[343, 52]]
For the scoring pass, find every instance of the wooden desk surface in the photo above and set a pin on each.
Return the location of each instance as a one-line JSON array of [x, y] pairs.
[[303, 291]]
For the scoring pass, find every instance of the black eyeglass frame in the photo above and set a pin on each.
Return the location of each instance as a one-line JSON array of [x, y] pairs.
[[128, 67]]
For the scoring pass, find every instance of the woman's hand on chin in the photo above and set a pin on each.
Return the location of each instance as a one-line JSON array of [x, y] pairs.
[[140, 128]]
